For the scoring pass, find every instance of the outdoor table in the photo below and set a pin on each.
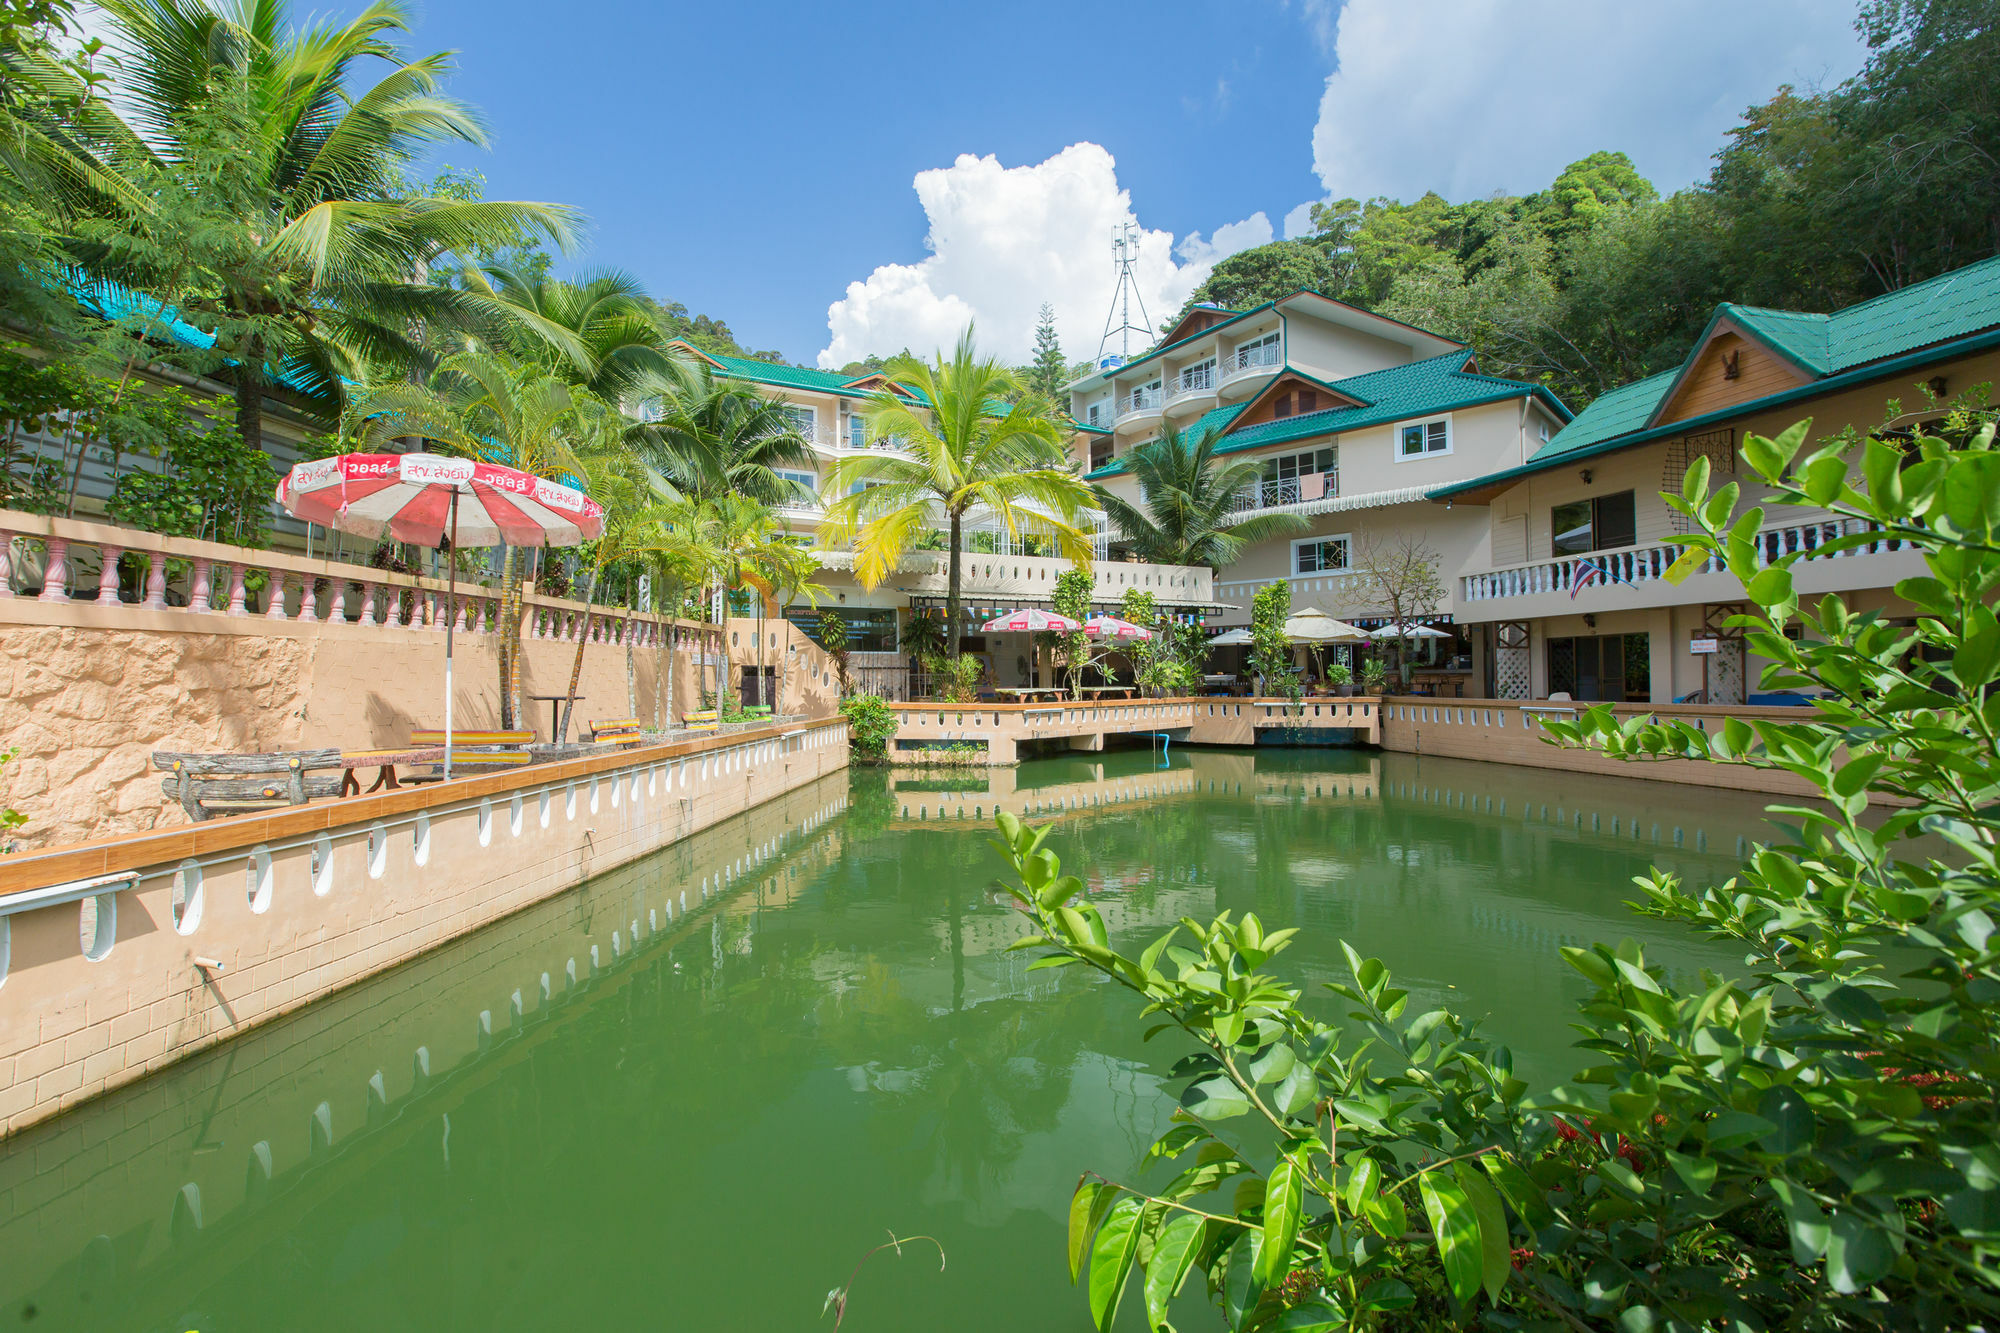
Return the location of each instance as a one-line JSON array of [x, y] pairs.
[[384, 763], [1120, 691], [555, 702], [1028, 692]]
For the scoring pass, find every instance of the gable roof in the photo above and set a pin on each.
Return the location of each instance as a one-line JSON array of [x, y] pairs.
[[1382, 397], [1948, 316]]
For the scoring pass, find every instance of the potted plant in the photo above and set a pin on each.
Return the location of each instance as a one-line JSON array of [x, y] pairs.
[[1374, 676], [1341, 678]]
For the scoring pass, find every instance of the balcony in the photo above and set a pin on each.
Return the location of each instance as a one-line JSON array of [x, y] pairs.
[[1243, 370], [1141, 407], [1635, 576], [835, 445], [1279, 493], [1191, 392], [1032, 578]]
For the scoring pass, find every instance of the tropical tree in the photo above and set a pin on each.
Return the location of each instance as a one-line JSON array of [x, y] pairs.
[[1187, 498], [676, 569], [714, 437], [967, 450], [739, 533], [599, 332], [479, 404], [261, 190], [790, 568]]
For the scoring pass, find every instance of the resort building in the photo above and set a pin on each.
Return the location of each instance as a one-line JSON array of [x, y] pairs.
[[1563, 588], [1355, 418]]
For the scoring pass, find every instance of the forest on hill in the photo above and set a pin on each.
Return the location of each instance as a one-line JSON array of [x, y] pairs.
[[1816, 201]]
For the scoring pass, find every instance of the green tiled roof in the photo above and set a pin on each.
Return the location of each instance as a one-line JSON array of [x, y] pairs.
[[790, 377], [1623, 409], [1420, 388]]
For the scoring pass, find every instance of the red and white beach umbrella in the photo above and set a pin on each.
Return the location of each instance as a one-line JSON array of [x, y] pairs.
[[1111, 627], [1017, 621], [411, 497], [429, 500]]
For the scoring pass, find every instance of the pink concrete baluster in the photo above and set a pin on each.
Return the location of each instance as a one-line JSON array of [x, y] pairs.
[[156, 581], [55, 575], [336, 611], [107, 574], [274, 595], [476, 616], [308, 598], [6, 563], [201, 591], [367, 603], [238, 594]]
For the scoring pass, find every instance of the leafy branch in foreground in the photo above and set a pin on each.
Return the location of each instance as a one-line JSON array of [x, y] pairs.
[[836, 1300], [1812, 1146]]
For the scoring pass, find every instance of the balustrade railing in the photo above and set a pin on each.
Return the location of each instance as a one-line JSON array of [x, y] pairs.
[[62, 561], [1642, 564], [1251, 361], [1140, 400], [1276, 492], [1200, 379]]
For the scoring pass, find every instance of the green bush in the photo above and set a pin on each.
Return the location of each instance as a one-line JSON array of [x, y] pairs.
[[1270, 653], [870, 724], [1809, 1145], [1374, 676]]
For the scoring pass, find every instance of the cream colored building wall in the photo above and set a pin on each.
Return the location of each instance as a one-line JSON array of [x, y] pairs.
[[1334, 351]]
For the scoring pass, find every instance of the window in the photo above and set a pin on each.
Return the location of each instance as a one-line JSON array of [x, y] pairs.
[[1420, 439], [1319, 555], [1287, 466], [1099, 413], [805, 479], [1614, 668], [1260, 352], [1298, 403], [1101, 453], [857, 431], [1600, 524], [1200, 376], [805, 420]]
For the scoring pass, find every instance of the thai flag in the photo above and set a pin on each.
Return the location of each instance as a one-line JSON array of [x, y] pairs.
[[1587, 573]]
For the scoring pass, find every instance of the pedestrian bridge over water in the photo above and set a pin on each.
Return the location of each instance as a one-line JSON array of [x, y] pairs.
[[1001, 730]]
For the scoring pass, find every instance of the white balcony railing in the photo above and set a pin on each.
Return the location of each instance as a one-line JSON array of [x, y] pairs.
[[1247, 361], [1199, 379], [1140, 400], [1634, 565], [1276, 493]]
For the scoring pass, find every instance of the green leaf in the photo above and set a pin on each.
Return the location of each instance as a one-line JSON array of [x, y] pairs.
[[1520, 1190], [1215, 1098], [1806, 1224], [1272, 1063], [1087, 1208], [1687, 564], [1773, 587], [1791, 1121], [1385, 1213], [1111, 1260], [1174, 1252], [1363, 1179], [1456, 1228], [1858, 1252], [1240, 1288], [1316, 1316], [1284, 1200], [1697, 1173], [1299, 1090], [1389, 1294], [1493, 1236]]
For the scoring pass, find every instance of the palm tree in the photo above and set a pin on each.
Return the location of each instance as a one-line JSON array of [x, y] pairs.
[[790, 569], [714, 437], [1186, 497], [968, 450], [265, 196], [482, 405], [740, 531], [675, 570], [598, 332]]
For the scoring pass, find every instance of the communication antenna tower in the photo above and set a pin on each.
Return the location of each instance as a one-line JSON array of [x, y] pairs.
[[1118, 323]]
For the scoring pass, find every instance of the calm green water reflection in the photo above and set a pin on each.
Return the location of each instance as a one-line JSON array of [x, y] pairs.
[[708, 1127]]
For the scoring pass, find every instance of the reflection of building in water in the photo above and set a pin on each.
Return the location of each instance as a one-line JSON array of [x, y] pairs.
[[369, 1069]]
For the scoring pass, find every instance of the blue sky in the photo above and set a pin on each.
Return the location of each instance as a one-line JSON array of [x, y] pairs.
[[754, 161]]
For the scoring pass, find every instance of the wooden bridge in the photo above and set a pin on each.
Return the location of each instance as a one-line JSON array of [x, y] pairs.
[[1002, 729]]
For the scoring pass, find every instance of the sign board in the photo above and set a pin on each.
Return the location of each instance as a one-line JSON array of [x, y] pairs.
[[1703, 645]]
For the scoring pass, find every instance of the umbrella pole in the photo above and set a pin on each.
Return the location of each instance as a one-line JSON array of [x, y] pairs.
[[451, 623]]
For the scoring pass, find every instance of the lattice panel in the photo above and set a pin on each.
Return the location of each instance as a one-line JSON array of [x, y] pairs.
[[1725, 673], [1717, 446], [1511, 671]]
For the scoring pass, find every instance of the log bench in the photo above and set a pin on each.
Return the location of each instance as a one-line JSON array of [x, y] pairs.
[[226, 784], [620, 731]]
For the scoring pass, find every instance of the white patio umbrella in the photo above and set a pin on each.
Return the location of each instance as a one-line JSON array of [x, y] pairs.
[[1314, 626], [1411, 632], [1235, 638], [429, 500]]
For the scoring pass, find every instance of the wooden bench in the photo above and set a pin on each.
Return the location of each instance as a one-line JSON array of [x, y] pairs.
[[227, 784], [475, 752], [623, 731], [706, 719]]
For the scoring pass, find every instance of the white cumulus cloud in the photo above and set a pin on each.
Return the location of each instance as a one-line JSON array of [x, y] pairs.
[[1467, 97], [1002, 241]]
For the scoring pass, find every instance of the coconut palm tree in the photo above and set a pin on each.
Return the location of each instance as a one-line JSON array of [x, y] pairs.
[[597, 332], [966, 451], [1187, 496], [790, 568], [714, 437], [740, 532], [266, 200], [479, 404]]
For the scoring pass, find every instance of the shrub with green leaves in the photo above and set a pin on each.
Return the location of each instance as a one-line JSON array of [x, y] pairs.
[[1811, 1144], [1270, 651], [871, 724]]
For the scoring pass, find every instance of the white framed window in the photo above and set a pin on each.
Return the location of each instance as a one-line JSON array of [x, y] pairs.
[[805, 420], [1257, 352], [1423, 439], [1284, 467], [1099, 413], [1198, 376], [1320, 555], [805, 479], [857, 431]]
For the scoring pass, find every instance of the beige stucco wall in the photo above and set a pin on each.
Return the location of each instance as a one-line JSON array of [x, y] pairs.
[[88, 698]]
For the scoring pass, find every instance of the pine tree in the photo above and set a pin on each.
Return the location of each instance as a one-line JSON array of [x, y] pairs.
[[1050, 369]]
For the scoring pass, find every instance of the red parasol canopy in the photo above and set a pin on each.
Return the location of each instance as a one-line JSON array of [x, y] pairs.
[[409, 497], [1111, 627], [1016, 621]]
